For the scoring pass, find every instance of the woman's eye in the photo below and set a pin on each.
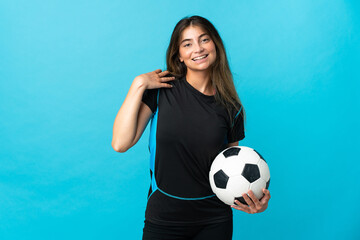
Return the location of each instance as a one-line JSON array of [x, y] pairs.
[[206, 39], [186, 45]]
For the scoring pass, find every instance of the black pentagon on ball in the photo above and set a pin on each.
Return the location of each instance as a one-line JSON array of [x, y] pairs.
[[232, 151], [251, 172], [221, 179]]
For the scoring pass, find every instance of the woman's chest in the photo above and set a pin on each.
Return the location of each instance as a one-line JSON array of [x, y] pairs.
[[191, 122]]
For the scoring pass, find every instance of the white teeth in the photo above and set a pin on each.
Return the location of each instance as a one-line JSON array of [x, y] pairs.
[[199, 57]]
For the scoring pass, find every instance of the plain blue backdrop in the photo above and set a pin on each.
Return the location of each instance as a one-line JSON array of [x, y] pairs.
[[66, 67]]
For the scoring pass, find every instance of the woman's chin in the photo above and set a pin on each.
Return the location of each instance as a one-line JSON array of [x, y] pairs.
[[200, 68]]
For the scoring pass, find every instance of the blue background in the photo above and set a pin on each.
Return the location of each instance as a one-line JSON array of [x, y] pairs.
[[66, 67]]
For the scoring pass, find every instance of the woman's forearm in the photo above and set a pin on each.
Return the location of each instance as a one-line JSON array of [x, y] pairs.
[[125, 125]]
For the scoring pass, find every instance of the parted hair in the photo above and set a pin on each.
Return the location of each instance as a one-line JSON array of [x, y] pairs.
[[220, 74]]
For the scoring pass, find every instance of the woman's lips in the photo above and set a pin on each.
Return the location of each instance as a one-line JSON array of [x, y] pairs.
[[202, 59]]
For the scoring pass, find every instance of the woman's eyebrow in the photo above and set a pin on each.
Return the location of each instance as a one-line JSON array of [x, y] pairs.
[[188, 39]]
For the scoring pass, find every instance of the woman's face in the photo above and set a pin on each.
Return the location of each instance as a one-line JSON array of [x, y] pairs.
[[197, 50]]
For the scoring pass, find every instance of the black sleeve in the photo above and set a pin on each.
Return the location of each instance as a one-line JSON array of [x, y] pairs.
[[150, 98], [236, 131]]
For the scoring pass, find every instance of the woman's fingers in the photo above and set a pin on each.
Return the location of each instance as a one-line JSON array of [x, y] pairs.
[[248, 200], [161, 76], [239, 206], [255, 205], [165, 79], [166, 85], [255, 200], [157, 79], [164, 73], [267, 196]]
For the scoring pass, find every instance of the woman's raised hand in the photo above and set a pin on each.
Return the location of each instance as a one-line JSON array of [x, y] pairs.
[[155, 79]]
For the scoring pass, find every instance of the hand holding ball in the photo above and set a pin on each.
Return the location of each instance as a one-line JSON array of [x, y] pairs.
[[235, 171]]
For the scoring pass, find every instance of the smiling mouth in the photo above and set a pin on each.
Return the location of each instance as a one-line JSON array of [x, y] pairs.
[[201, 57]]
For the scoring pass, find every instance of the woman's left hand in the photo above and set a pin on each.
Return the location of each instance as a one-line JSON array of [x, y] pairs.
[[255, 205]]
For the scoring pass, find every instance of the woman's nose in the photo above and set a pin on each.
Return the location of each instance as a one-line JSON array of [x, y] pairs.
[[198, 48]]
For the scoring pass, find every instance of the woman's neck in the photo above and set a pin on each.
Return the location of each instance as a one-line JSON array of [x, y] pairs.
[[201, 81]]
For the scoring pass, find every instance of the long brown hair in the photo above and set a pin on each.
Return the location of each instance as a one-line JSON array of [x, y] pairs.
[[220, 74]]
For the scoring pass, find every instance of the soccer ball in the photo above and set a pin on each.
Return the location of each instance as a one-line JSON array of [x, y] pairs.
[[236, 170]]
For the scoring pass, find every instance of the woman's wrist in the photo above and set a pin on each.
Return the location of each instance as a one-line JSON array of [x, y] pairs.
[[139, 83]]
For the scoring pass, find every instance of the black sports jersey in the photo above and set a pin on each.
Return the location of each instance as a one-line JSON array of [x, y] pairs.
[[188, 130]]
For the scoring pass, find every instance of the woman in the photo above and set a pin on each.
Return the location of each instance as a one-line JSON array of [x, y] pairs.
[[195, 113]]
